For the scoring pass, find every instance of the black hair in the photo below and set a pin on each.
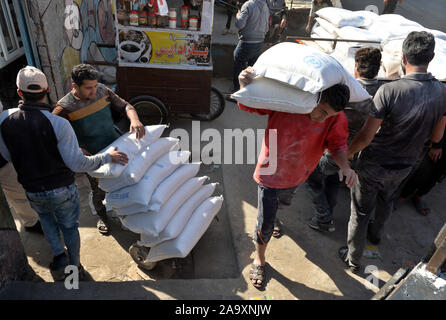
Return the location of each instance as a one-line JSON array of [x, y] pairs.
[[419, 47], [34, 96], [368, 62], [336, 96], [83, 72]]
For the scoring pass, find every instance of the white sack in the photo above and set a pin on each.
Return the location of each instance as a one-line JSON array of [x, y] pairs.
[[342, 17], [390, 31], [327, 26], [396, 20], [152, 223], [391, 58], [307, 69], [169, 185], [319, 32], [136, 168], [353, 33], [264, 93], [194, 230], [131, 146], [141, 192], [438, 65], [181, 217]]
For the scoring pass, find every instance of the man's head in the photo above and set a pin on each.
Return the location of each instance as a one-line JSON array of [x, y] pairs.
[[367, 62], [85, 81], [32, 85], [418, 49], [333, 100]]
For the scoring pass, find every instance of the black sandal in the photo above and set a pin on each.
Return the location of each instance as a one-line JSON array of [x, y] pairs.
[[277, 231], [257, 272]]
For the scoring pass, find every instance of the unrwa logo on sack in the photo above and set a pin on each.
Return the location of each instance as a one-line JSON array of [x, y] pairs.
[[313, 61]]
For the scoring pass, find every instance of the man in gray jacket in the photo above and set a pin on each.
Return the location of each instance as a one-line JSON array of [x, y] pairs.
[[252, 22], [44, 150]]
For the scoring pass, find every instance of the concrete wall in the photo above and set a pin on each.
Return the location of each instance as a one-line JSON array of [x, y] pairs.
[[67, 33]]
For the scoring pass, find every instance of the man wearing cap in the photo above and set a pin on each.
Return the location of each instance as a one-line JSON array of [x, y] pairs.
[[45, 153], [15, 196], [88, 107]]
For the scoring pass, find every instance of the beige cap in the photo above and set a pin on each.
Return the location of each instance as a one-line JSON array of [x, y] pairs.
[[31, 76]]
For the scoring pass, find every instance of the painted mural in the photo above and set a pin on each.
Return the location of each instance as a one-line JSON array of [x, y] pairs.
[[87, 23]]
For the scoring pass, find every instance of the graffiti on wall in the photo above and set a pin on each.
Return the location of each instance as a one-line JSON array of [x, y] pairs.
[[87, 23]]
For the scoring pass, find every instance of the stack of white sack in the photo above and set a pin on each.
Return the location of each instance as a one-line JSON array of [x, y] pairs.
[[130, 145], [157, 194], [290, 77], [341, 17], [319, 32], [392, 55]]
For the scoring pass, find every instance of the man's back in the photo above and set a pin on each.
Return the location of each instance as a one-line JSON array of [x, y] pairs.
[[410, 109], [253, 21]]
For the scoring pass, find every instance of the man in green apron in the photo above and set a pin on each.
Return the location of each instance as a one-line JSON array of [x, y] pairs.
[[88, 107]]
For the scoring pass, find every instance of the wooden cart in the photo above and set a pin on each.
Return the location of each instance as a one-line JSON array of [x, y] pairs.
[[162, 70]]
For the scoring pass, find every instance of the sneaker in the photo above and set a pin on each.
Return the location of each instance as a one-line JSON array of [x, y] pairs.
[[343, 253], [37, 228], [321, 226]]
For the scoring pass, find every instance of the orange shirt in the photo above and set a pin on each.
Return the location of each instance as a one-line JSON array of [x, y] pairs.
[[300, 145]]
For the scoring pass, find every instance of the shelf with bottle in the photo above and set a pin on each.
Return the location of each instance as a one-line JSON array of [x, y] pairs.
[[167, 30]]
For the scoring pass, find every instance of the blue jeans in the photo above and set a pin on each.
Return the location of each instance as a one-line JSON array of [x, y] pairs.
[[245, 54], [58, 210], [323, 185], [269, 200]]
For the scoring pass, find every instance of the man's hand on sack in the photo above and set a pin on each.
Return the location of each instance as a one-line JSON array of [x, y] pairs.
[[350, 176], [245, 77], [119, 157], [138, 127]]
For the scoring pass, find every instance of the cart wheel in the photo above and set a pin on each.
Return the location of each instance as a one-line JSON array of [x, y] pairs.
[[217, 106], [139, 254], [151, 111]]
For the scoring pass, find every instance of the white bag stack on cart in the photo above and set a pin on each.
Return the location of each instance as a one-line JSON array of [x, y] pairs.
[[198, 223], [131, 146], [159, 185], [141, 192], [320, 32]]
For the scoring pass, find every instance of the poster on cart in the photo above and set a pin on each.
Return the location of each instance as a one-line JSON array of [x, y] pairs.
[[151, 48]]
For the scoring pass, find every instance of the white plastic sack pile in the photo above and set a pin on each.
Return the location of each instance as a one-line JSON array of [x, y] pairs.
[[180, 219], [438, 65], [319, 32], [353, 33], [193, 231], [141, 192], [306, 68], [131, 146], [264, 93], [169, 185], [327, 26], [137, 167], [342, 17], [152, 223]]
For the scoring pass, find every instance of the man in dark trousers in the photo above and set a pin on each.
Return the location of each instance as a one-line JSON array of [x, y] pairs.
[[405, 114], [45, 153], [301, 141], [323, 183]]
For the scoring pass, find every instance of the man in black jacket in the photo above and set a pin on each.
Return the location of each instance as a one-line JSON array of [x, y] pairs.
[[45, 153]]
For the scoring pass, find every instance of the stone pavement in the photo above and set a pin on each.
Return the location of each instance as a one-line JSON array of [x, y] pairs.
[[302, 264]]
